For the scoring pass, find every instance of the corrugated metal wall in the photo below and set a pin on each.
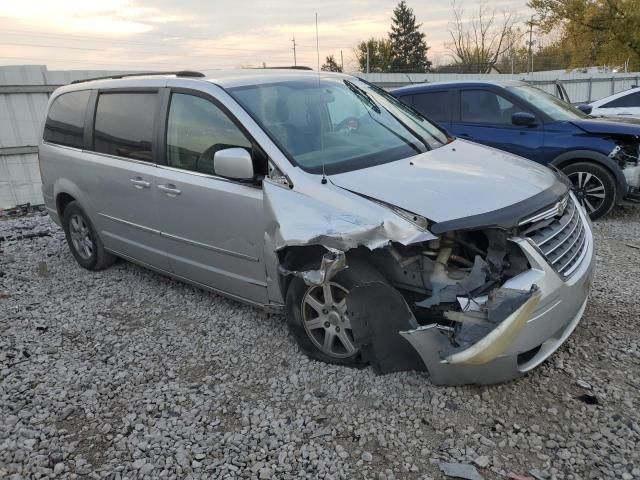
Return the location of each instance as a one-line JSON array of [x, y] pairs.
[[25, 90], [24, 93], [581, 87]]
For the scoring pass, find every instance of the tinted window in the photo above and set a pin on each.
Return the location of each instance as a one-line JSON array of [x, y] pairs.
[[124, 124], [628, 101], [434, 105], [196, 130], [483, 106], [65, 121]]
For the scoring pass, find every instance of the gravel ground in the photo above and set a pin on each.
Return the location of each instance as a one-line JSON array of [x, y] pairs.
[[128, 374]]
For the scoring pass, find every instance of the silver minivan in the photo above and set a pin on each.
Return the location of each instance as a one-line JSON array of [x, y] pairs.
[[384, 240]]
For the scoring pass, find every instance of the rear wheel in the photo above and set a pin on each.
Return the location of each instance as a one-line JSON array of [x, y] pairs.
[[594, 187], [317, 317], [84, 242]]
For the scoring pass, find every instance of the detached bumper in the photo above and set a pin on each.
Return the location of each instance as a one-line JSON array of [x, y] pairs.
[[556, 315]]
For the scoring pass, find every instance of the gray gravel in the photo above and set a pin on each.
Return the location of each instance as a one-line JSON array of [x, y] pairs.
[[128, 374]]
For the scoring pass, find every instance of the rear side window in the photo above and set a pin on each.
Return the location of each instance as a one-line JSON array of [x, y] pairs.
[[124, 125], [433, 105], [65, 120], [628, 101], [483, 106]]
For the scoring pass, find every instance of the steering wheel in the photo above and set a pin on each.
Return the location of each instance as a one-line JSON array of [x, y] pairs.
[[350, 123]]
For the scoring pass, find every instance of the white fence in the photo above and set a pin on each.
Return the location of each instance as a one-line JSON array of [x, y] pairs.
[[24, 91], [581, 87]]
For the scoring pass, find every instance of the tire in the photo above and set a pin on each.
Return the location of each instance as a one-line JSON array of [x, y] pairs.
[[594, 187], [299, 312], [83, 240]]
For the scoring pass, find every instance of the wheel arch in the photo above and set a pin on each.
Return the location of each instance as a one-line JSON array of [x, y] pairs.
[[65, 191], [62, 200], [576, 156], [306, 257]]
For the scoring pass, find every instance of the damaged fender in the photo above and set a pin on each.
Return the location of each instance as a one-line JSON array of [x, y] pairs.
[[332, 262], [295, 219]]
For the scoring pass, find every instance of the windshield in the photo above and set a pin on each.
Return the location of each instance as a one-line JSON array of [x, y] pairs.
[[555, 108], [337, 124]]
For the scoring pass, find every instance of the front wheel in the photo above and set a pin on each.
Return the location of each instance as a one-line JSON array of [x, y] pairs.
[[594, 187], [317, 315]]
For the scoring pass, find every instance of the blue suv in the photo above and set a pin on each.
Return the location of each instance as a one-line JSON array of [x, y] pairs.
[[600, 156]]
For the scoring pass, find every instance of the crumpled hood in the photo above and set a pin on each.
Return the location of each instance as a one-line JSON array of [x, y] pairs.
[[461, 179], [609, 125]]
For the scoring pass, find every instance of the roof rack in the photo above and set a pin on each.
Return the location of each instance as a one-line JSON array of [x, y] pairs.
[[181, 73]]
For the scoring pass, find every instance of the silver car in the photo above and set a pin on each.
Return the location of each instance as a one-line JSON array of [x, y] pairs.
[[385, 241]]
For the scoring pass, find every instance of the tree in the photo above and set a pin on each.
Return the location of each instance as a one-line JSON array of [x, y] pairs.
[[408, 45], [595, 32], [479, 43], [330, 65], [380, 55]]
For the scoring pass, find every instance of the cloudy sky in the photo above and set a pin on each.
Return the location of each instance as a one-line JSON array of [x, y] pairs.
[[207, 34]]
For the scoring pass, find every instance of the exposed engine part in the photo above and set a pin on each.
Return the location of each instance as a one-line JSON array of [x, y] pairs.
[[627, 155], [632, 175]]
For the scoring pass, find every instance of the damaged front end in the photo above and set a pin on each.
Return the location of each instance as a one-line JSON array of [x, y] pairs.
[[481, 306], [447, 299], [626, 154]]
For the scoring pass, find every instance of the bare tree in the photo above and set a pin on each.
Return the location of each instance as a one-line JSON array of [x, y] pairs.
[[478, 44]]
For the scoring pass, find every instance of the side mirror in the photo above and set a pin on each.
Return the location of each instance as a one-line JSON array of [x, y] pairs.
[[233, 163], [523, 118], [585, 108]]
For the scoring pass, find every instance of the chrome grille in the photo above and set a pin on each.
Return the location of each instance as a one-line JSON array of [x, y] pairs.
[[562, 239]]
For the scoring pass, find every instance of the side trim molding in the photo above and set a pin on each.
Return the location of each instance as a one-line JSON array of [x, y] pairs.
[[209, 247], [130, 224], [181, 239]]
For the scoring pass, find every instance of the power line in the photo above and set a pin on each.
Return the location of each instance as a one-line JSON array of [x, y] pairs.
[[64, 47], [166, 37], [129, 65]]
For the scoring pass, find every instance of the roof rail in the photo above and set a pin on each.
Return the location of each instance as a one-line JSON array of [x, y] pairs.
[[293, 67], [181, 73]]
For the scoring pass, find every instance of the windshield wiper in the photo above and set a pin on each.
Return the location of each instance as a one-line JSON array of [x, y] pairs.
[[362, 95]]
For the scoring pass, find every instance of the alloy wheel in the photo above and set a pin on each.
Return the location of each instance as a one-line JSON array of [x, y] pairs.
[[589, 190], [81, 237], [324, 316]]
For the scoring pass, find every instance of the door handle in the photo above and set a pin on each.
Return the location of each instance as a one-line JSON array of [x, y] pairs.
[[170, 189], [140, 183], [466, 135]]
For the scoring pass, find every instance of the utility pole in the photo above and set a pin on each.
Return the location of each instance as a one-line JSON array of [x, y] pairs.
[[317, 42], [341, 61], [293, 40], [367, 57], [531, 45], [513, 58]]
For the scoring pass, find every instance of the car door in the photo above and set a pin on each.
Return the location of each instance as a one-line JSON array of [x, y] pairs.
[[436, 105], [212, 227], [628, 104], [121, 177], [485, 116]]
